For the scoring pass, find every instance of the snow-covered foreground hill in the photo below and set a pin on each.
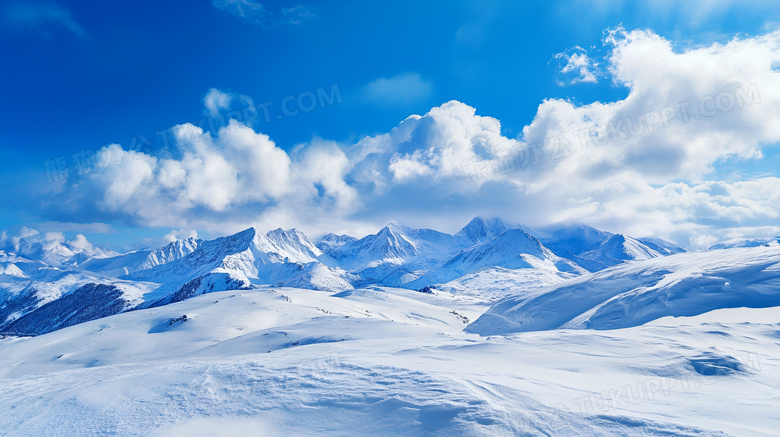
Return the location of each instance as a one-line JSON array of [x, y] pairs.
[[635, 293], [383, 361]]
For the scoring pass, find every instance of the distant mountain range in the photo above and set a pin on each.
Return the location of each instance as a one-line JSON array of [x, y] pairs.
[[48, 287]]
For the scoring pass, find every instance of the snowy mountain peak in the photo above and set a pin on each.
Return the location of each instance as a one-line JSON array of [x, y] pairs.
[[514, 241], [183, 243], [11, 269], [619, 248], [396, 228], [234, 262], [393, 241], [174, 250], [574, 238], [617, 239], [514, 249], [248, 233], [295, 242], [330, 242], [482, 229], [630, 247], [223, 246]]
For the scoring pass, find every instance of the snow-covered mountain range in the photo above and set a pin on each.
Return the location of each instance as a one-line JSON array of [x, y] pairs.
[[488, 257]]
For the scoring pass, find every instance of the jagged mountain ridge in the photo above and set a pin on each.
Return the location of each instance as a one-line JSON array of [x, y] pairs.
[[330, 242], [397, 255], [247, 258], [141, 260], [180, 270], [513, 249], [595, 250]]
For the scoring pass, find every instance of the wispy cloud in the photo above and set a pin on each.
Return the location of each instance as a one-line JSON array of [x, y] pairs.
[[298, 14], [217, 100], [576, 66], [399, 90], [40, 17], [257, 14]]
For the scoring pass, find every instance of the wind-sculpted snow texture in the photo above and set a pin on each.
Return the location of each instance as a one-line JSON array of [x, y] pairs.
[[385, 362]]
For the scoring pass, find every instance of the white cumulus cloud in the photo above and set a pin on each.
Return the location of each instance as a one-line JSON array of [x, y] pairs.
[[646, 164]]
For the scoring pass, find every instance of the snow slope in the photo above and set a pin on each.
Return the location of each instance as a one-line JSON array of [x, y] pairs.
[[491, 284], [52, 299], [661, 246], [634, 293], [386, 362]]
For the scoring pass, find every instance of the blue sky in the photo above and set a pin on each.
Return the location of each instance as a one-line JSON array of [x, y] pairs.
[[78, 76]]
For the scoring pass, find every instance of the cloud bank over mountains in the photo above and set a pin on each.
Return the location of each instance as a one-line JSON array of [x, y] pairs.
[[643, 165]]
